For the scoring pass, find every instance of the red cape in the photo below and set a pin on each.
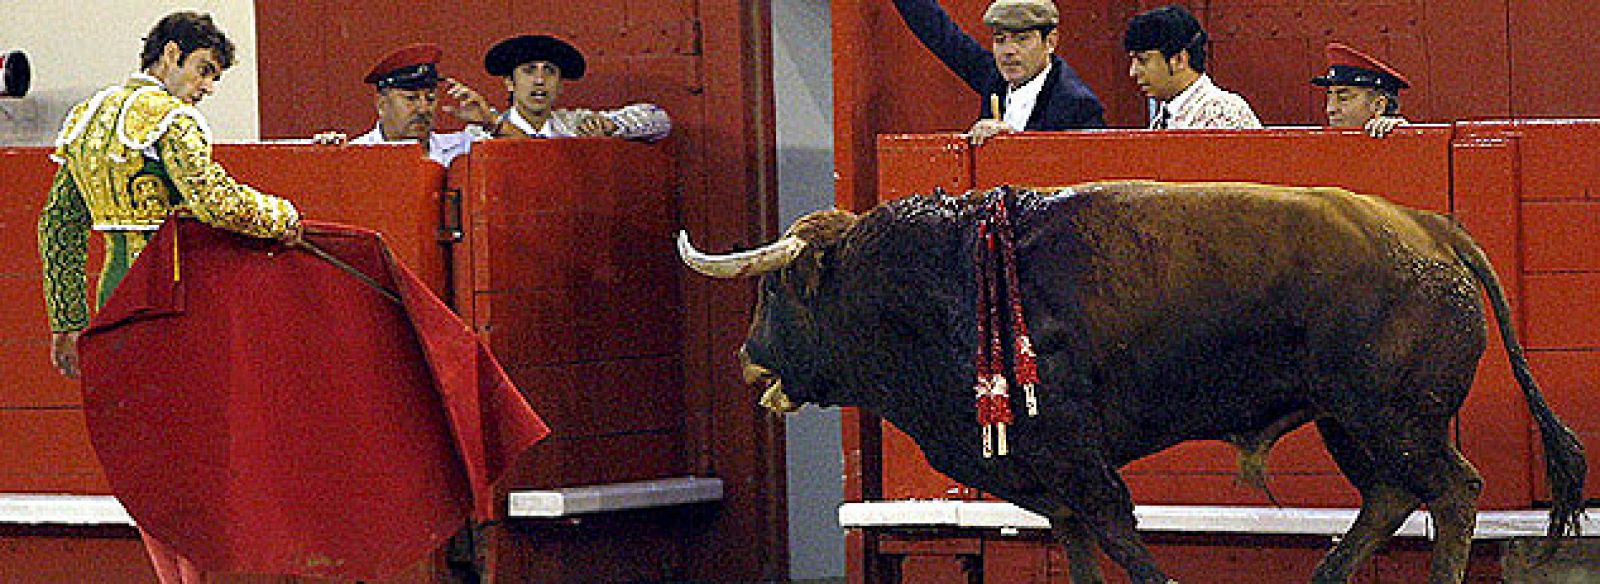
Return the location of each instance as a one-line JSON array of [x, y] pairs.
[[260, 410]]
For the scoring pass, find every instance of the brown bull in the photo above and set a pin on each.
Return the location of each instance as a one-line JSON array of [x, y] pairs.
[[1160, 313]]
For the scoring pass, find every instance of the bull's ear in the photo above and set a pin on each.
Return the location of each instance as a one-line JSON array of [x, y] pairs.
[[814, 267]]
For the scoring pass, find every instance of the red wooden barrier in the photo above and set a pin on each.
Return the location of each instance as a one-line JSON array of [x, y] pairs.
[[1548, 211], [564, 264], [391, 188], [709, 64], [568, 271]]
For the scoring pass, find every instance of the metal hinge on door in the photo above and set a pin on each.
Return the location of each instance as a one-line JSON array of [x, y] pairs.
[[450, 216]]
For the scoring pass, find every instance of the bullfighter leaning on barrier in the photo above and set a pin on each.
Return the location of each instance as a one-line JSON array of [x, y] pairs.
[[128, 156]]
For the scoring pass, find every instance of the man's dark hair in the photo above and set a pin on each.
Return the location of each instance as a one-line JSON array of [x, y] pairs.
[[1170, 29], [192, 31], [1391, 100]]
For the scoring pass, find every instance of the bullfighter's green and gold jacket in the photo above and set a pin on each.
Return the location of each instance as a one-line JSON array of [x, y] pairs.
[[129, 156]]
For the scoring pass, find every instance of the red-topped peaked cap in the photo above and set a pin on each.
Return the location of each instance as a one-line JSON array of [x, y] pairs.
[[1350, 67], [409, 67]]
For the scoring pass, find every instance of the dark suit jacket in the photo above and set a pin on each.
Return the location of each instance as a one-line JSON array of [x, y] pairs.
[[1064, 103]]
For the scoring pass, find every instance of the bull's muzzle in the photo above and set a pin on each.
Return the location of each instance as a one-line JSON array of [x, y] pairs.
[[772, 396]]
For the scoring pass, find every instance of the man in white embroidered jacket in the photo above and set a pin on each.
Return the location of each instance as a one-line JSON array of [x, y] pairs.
[[1167, 58], [534, 68]]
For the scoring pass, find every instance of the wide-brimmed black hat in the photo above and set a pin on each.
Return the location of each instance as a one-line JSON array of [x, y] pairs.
[[506, 55]]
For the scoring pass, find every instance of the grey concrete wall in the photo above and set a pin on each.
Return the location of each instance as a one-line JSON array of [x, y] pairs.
[[803, 81], [79, 47]]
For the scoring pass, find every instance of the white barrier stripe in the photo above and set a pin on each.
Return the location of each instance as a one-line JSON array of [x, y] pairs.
[[1183, 518], [31, 509], [566, 502]]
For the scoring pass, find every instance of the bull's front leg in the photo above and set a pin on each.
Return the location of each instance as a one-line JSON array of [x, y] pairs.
[[1096, 496]]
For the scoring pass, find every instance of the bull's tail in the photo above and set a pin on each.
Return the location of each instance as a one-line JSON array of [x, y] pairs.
[[1564, 463]]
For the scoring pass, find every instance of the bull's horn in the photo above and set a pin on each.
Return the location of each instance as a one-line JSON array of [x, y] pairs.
[[754, 262]]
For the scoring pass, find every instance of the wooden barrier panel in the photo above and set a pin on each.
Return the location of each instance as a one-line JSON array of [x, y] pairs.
[[393, 189], [915, 163], [1289, 156], [573, 281], [567, 268], [1546, 207]]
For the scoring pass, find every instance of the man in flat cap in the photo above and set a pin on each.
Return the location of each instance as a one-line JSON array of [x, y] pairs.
[[1035, 89], [407, 81], [1167, 58], [1363, 92], [534, 68]]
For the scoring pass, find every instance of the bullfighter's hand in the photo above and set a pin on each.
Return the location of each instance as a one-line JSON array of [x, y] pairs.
[[597, 125], [295, 235], [64, 352], [471, 107], [986, 129], [330, 137], [1380, 126]]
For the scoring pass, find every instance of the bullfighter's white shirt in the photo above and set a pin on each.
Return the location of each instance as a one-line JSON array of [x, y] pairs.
[[1203, 105]]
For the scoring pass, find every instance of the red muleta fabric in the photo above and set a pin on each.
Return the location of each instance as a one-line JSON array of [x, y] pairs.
[[261, 410]]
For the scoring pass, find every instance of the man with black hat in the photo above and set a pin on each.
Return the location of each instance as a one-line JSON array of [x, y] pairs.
[[1167, 53], [1363, 92], [534, 68], [1035, 89], [407, 82]]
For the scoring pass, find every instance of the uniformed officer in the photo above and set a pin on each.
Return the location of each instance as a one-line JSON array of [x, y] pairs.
[[406, 83], [1363, 92]]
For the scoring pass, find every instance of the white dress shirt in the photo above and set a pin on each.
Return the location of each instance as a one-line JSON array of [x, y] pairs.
[[442, 148], [1020, 100]]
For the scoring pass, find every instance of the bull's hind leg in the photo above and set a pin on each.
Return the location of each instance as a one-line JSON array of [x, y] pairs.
[[1413, 451], [1081, 557], [1454, 509], [1384, 507]]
